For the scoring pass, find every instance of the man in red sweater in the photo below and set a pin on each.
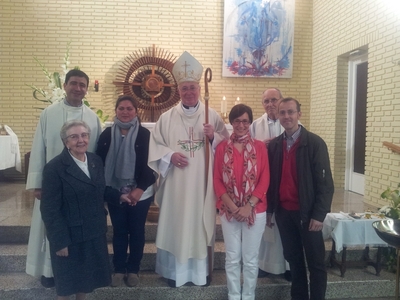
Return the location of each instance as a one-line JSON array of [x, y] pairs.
[[300, 194]]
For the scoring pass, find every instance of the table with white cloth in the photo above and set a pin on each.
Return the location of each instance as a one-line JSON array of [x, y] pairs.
[[347, 231], [8, 155]]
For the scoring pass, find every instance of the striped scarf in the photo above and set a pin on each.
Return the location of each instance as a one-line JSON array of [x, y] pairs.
[[249, 174]]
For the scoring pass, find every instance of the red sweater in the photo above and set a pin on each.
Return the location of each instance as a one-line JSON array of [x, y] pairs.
[[288, 191], [262, 180]]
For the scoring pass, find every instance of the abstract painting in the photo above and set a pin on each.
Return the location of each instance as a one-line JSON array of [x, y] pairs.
[[258, 38]]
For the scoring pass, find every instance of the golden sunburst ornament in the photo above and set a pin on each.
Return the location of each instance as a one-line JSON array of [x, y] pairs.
[[146, 76]]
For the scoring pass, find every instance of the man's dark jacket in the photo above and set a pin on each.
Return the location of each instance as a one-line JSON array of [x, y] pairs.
[[315, 183], [144, 175]]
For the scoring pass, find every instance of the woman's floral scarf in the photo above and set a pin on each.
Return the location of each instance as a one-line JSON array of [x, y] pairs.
[[249, 174]]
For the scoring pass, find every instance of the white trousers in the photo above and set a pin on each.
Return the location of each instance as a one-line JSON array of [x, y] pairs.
[[242, 243]]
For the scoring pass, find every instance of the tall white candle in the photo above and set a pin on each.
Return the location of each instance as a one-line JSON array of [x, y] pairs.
[[223, 105]]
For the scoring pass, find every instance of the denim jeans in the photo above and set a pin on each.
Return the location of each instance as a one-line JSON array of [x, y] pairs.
[[129, 229]]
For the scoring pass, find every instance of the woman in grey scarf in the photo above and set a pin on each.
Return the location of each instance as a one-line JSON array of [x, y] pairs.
[[124, 150]]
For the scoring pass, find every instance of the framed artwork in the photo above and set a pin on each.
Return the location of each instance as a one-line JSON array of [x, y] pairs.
[[258, 38]]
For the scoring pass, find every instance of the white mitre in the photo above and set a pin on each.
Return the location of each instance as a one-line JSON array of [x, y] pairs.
[[187, 68]]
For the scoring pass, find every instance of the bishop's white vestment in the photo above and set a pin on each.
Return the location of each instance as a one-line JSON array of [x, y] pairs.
[[270, 258], [46, 145], [186, 223]]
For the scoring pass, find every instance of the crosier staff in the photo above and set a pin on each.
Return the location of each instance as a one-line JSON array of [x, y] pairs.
[[207, 79]]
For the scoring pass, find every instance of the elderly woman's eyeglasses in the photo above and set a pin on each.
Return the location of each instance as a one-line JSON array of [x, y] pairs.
[[244, 122], [75, 137]]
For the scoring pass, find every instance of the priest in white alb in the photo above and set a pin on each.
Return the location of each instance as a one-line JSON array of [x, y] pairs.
[[185, 195], [265, 128], [46, 145]]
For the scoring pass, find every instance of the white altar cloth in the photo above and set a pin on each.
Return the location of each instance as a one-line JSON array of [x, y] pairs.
[[347, 232], [9, 152]]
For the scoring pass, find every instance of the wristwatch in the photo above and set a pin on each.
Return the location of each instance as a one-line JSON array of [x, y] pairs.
[[252, 204]]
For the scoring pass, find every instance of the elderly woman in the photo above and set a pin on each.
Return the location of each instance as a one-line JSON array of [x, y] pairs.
[[241, 180], [73, 212], [124, 148]]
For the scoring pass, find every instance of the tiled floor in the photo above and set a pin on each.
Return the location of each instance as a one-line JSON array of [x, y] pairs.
[[16, 203]]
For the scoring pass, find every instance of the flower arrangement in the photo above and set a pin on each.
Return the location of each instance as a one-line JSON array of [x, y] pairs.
[[55, 82], [55, 85], [392, 210]]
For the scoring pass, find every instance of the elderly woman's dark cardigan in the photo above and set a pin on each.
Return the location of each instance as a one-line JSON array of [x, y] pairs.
[[72, 204]]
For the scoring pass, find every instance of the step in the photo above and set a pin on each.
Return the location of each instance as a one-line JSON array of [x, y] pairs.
[[356, 284], [20, 234], [13, 257]]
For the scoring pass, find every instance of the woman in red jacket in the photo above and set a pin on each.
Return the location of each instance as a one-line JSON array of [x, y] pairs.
[[241, 180]]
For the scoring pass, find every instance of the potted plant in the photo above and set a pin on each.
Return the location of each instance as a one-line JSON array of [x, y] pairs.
[[391, 211]]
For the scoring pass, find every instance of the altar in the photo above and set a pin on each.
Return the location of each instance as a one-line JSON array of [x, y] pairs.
[[150, 126], [9, 153]]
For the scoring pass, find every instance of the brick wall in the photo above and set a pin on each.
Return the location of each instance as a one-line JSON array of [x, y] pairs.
[[340, 27], [102, 33]]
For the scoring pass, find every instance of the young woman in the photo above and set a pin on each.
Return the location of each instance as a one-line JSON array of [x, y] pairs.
[[241, 180], [124, 149]]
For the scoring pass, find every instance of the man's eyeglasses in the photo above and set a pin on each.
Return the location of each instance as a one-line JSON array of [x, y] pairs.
[[244, 122], [273, 100], [75, 137], [289, 112], [191, 88]]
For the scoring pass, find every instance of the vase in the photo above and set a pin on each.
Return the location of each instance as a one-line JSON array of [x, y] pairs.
[[389, 231]]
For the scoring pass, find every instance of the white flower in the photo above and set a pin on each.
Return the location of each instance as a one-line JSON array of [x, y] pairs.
[[58, 95], [384, 210]]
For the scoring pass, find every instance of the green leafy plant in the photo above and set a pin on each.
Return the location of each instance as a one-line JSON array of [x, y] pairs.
[[55, 91], [393, 209], [390, 258]]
